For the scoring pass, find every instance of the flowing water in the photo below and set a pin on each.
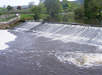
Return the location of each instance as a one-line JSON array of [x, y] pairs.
[[52, 49], [78, 34]]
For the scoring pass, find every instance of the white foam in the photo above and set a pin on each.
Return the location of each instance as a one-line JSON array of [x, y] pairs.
[[5, 37], [81, 59], [71, 33]]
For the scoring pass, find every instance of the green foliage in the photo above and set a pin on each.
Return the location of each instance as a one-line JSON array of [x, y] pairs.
[[65, 5], [79, 12], [73, 6], [2, 9], [9, 7], [40, 12], [69, 6], [93, 8], [54, 8], [19, 8], [0, 13], [68, 17]]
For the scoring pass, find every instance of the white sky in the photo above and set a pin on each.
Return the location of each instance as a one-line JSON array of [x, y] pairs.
[[18, 2]]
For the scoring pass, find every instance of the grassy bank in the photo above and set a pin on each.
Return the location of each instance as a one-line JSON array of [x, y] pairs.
[[24, 17]]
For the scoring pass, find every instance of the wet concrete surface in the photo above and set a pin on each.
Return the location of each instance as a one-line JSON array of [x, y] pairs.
[[30, 54]]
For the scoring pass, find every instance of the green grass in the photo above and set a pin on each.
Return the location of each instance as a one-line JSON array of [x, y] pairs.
[[26, 17], [2, 9], [23, 10]]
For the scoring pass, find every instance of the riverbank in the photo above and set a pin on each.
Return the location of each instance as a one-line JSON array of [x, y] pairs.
[[8, 24], [38, 50]]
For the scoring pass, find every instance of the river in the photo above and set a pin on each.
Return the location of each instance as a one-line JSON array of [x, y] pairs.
[[52, 49]]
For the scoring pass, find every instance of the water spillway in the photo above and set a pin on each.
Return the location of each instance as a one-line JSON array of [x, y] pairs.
[[75, 44], [33, 48], [78, 34], [71, 33]]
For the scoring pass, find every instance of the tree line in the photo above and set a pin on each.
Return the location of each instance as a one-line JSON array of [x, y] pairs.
[[55, 10], [62, 11], [91, 9]]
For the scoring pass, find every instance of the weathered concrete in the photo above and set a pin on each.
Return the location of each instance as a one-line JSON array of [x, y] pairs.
[[4, 25]]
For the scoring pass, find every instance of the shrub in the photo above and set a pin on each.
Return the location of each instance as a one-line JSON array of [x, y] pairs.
[[79, 12]]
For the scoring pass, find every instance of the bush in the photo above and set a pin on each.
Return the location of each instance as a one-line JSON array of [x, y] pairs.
[[40, 12], [79, 12], [0, 13]]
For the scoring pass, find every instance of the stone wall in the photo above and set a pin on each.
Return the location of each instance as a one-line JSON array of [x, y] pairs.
[[4, 25]]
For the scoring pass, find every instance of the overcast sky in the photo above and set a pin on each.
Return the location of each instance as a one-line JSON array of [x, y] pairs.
[[18, 2]]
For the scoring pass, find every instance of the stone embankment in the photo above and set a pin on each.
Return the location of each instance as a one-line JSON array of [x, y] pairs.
[[4, 25]]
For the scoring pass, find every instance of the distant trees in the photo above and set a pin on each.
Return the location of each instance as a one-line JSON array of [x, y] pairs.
[[79, 12], [40, 12], [74, 6], [54, 9], [90, 8], [69, 6], [93, 8], [65, 5], [19, 8], [9, 7]]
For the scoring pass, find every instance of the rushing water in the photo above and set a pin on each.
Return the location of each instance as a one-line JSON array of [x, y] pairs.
[[77, 34], [51, 49], [33, 41], [66, 33]]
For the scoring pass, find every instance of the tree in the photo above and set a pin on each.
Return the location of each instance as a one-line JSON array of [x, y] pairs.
[[93, 8], [40, 12], [54, 8], [19, 8], [65, 5], [9, 7], [72, 6], [79, 12]]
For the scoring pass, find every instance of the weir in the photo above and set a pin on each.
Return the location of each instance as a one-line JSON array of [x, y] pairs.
[[71, 33], [78, 34], [78, 45]]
